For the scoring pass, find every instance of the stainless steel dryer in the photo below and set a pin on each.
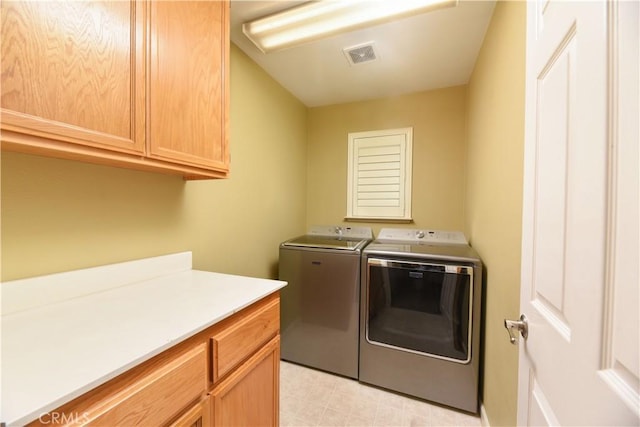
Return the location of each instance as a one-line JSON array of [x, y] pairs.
[[319, 306], [420, 316]]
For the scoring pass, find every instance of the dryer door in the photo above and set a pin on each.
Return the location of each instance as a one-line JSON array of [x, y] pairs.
[[420, 307]]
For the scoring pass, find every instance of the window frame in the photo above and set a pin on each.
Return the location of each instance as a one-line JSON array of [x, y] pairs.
[[369, 139]]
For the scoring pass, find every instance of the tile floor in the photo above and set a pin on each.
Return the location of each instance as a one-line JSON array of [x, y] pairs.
[[313, 398]]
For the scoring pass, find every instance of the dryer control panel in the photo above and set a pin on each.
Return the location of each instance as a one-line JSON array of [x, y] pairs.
[[426, 236]]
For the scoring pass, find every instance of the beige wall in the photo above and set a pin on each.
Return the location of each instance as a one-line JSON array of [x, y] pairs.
[[494, 196], [438, 121], [59, 215]]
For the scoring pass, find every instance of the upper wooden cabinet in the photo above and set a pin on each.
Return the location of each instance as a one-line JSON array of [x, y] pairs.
[[186, 82], [136, 84], [74, 72]]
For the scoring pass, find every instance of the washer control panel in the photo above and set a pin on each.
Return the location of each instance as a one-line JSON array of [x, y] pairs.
[[341, 231]]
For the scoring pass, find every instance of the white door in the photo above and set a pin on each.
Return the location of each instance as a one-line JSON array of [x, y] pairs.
[[580, 291]]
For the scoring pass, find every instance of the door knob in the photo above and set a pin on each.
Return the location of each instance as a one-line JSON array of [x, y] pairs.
[[515, 326]]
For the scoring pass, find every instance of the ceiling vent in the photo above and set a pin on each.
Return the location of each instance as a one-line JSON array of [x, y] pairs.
[[361, 53]]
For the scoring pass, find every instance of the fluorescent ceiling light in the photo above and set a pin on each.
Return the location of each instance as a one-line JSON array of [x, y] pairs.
[[318, 19]]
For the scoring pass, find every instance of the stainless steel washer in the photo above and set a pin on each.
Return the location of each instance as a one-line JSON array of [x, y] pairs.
[[319, 306], [420, 316]]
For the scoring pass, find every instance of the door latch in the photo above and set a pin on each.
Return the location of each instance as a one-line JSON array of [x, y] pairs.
[[515, 326]]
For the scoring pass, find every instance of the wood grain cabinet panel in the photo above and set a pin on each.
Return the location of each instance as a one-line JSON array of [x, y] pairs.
[[188, 82], [250, 395], [137, 84], [162, 394], [235, 343], [198, 416], [73, 72], [151, 394]]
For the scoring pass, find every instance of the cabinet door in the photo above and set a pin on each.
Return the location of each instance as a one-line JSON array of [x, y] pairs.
[[250, 395], [198, 416], [73, 75], [188, 83]]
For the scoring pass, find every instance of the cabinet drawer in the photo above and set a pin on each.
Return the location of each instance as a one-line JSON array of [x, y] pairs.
[[159, 395], [238, 341]]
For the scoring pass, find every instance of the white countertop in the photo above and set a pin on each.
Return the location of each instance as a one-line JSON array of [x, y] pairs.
[[58, 345]]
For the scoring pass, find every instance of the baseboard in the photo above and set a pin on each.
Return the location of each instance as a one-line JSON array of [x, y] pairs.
[[483, 417]]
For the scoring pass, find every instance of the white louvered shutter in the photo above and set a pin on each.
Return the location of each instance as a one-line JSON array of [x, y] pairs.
[[379, 180]]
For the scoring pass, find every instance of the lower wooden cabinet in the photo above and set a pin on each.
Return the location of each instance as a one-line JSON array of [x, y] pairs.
[[157, 396], [250, 395], [179, 388]]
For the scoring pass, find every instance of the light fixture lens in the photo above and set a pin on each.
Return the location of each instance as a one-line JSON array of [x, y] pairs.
[[318, 19]]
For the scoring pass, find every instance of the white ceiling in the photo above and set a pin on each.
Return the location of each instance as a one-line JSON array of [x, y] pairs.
[[433, 50]]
